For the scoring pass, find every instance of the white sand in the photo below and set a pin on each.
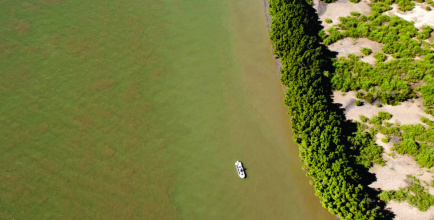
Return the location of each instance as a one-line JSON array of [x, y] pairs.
[[348, 45], [418, 15], [404, 211], [408, 112], [341, 8]]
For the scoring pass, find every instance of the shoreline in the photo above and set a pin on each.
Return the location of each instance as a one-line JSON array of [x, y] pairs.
[[277, 61]]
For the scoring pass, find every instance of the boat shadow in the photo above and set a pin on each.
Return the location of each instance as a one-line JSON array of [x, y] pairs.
[[245, 173]]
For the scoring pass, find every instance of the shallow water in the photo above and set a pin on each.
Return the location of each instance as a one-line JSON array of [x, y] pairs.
[[139, 110]]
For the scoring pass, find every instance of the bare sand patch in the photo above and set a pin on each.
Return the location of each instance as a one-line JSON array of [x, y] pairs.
[[418, 15], [353, 46], [404, 211], [393, 175], [408, 112], [340, 8]]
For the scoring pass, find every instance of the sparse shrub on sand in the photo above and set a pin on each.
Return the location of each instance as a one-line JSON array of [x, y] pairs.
[[366, 51], [380, 56]]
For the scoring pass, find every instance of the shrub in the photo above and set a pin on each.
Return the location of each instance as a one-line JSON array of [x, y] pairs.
[[358, 103], [328, 20], [416, 195], [366, 51], [380, 7], [363, 118], [355, 14], [380, 56], [428, 8], [353, 57], [426, 31], [405, 5], [359, 95], [408, 146], [322, 34], [386, 139], [384, 115], [355, 1], [369, 98], [378, 119]]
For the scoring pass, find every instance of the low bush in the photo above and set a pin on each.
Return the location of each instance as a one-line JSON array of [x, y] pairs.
[[416, 195], [363, 118], [386, 139], [366, 51], [380, 56]]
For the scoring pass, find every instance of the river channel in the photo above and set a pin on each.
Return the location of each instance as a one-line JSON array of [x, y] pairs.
[[139, 109]]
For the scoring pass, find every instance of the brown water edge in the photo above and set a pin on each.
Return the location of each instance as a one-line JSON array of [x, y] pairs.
[[277, 181]]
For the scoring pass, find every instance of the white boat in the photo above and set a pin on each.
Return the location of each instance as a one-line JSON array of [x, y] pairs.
[[240, 169]]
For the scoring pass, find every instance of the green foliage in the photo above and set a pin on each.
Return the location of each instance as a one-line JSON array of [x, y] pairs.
[[370, 151], [408, 146], [427, 91], [378, 120], [416, 195], [358, 103], [387, 81], [380, 56], [369, 97], [405, 5], [380, 7], [319, 127], [384, 115], [353, 57], [328, 20], [416, 141], [355, 14], [426, 31], [364, 119], [359, 95], [322, 34], [355, 1], [428, 8], [366, 51], [386, 139]]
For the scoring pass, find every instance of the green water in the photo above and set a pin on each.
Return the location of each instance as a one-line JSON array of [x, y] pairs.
[[138, 110]]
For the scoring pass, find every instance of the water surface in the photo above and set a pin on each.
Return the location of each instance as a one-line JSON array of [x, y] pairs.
[[139, 109]]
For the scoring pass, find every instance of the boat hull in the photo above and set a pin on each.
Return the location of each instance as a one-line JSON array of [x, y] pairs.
[[240, 169]]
